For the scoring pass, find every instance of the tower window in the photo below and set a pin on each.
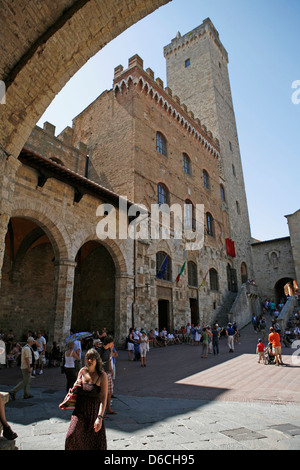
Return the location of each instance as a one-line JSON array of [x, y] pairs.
[[192, 274], [161, 144], [206, 180], [163, 266], [210, 229], [187, 62], [162, 194], [186, 162], [189, 215], [222, 191], [214, 279]]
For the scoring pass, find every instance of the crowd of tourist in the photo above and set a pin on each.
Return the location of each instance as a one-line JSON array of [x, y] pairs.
[[49, 356], [33, 353], [203, 335]]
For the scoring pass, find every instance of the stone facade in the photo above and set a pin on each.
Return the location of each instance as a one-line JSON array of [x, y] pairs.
[[120, 129], [42, 45], [294, 229], [50, 236], [274, 267]]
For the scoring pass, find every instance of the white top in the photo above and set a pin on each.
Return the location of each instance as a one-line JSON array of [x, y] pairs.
[[41, 342], [69, 361]]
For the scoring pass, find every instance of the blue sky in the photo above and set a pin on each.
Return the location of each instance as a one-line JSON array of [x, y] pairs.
[[262, 38]]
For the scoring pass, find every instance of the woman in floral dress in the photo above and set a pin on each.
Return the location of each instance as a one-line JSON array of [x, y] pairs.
[[87, 430]]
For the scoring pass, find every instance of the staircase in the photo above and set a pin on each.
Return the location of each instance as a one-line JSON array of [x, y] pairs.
[[288, 312], [223, 311]]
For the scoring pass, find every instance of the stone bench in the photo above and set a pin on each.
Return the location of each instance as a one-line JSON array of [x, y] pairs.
[[4, 443]]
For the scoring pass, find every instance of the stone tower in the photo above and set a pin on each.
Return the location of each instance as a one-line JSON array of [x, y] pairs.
[[197, 73]]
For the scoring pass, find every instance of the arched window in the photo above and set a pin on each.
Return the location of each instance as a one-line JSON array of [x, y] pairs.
[[244, 273], [192, 274], [161, 144], [206, 182], [186, 163], [189, 215], [163, 266], [210, 229], [213, 279], [162, 194], [222, 191]]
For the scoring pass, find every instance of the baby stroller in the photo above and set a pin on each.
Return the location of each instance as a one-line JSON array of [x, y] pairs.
[[270, 358]]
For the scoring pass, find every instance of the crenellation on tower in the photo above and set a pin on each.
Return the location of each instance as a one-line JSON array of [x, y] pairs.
[[206, 28], [135, 74]]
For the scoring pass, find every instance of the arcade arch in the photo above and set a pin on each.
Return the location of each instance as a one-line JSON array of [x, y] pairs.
[[94, 297], [285, 287], [27, 293]]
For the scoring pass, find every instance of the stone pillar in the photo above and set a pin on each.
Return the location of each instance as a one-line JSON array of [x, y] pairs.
[[8, 169], [123, 311], [63, 300]]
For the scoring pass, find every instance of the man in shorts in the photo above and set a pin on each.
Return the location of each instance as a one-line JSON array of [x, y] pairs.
[[274, 338]]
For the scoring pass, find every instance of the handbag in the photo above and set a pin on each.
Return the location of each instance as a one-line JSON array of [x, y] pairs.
[[70, 399]]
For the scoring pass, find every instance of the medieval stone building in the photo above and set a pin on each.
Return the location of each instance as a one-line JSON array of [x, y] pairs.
[[139, 143]]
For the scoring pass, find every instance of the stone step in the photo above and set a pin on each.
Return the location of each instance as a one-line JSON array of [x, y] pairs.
[[4, 443], [7, 445]]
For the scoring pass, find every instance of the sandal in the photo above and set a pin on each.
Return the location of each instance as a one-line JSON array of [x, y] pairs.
[[9, 434]]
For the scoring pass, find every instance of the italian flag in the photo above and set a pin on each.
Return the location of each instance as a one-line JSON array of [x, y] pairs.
[[204, 279], [181, 271]]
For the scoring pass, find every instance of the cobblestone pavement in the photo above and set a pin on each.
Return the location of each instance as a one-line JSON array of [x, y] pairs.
[[178, 402]]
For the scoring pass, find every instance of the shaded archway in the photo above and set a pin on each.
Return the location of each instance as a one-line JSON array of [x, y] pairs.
[[285, 287], [164, 320], [28, 279], [94, 298]]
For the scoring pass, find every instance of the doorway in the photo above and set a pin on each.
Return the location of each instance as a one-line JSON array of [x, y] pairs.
[[231, 279], [194, 311], [164, 315]]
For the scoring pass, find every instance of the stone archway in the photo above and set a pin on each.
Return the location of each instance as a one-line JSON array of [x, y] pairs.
[[56, 40], [94, 298], [28, 283], [108, 265], [284, 287]]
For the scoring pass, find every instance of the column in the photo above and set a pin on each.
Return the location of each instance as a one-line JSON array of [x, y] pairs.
[[123, 306], [63, 300], [8, 169]]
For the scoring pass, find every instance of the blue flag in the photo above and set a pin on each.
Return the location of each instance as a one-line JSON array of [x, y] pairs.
[[163, 269]]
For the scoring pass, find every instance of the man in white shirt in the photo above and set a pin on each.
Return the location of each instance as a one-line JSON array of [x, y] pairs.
[[41, 348], [27, 360]]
